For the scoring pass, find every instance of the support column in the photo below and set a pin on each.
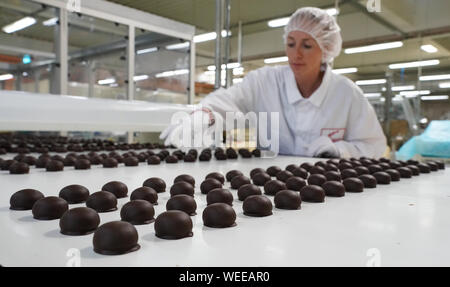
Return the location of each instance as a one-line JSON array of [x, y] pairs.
[[227, 42], [191, 87], [218, 55], [58, 84], [130, 65]]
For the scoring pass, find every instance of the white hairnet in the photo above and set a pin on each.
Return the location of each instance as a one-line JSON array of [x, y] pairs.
[[321, 26]]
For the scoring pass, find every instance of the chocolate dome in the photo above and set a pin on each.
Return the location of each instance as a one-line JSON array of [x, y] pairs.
[[185, 177], [79, 221], [317, 179], [405, 172], [382, 177], [153, 160], [19, 168], [257, 206], [74, 193], [156, 183], [49, 208], [119, 189], [248, 189], [312, 193], [353, 184], [116, 237], [209, 184], [54, 165], [287, 199], [273, 170], [145, 193], [295, 183], [333, 175], [219, 195], [261, 178], [349, 172], [173, 224], [138, 212], [284, 175], [334, 188], [219, 215], [82, 164], [216, 175], [24, 199], [110, 162], [232, 173], [300, 172], [368, 180], [182, 202], [182, 187], [395, 175], [255, 171], [131, 161], [239, 181], [102, 201], [274, 186]]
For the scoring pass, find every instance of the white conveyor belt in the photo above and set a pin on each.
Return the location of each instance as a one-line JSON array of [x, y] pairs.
[[45, 112], [406, 223]]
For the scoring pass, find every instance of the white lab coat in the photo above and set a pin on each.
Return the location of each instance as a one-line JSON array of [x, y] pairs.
[[337, 110]]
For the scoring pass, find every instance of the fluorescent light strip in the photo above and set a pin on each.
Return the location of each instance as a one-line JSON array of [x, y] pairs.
[[345, 70], [412, 94], [172, 73], [332, 11], [50, 22], [140, 78], [402, 88], [6, 77], [275, 60], [178, 46], [370, 82], [19, 25], [372, 95], [435, 77], [209, 36], [434, 98], [371, 48], [229, 66], [429, 48], [148, 50], [278, 22], [237, 80], [238, 71], [107, 81], [414, 64], [445, 85]]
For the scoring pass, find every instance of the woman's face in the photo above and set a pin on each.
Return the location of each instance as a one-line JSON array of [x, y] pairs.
[[304, 54]]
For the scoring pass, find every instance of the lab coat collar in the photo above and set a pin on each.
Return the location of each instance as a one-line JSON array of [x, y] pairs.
[[316, 98]]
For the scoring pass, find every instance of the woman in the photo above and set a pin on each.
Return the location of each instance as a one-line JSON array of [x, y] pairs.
[[322, 114]]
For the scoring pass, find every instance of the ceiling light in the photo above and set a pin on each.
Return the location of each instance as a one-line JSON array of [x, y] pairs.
[[403, 88], [178, 46], [229, 66], [435, 77], [5, 77], [345, 70], [209, 36], [445, 85], [107, 81], [172, 73], [370, 82], [238, 71], [275, 60], [140, 78], [237, 80], [278, 22], [375, 47], [434, 98], [411, 94], [372, 95], [414, 64], [19, 25], [50, 22], [429, 48], [148, 50]]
